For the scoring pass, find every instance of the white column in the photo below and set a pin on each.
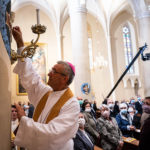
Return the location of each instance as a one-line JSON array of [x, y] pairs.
[[143, 22], [79, 35], [59, 43], [110, 66]]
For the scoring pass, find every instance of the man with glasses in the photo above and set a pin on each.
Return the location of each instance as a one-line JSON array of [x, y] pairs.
[[55, 119]]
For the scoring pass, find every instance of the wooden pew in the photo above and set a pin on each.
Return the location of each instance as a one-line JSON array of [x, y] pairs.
[[130, 143], [97, 148]]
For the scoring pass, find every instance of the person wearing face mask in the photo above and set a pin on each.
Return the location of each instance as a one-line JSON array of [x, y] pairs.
[[131, 112], [124, 121], [90, 122], [132, 102], [111, 136], [80, 100], [138, 104], [82, 140], [113, 111]]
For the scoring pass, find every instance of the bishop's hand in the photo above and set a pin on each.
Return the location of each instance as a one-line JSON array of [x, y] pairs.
[[17, 34], [20, 111]]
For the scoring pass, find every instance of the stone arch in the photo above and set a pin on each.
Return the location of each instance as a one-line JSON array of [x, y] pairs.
[[43, 5]]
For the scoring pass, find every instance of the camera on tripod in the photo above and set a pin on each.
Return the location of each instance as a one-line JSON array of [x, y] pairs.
[[146, 56]]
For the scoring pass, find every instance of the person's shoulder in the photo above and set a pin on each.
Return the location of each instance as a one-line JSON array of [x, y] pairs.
[[72, 102], [100, 120], [118, 116]]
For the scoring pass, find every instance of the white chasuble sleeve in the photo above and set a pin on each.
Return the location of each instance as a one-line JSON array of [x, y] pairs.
[[52, 136], [30, 80]]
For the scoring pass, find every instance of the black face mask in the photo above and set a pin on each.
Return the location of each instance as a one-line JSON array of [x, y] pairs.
[[98, 115]]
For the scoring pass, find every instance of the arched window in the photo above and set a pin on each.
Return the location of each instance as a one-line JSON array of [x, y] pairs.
[[128, 48]]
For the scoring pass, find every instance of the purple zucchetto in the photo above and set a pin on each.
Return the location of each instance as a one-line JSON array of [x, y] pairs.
[[72, 67]]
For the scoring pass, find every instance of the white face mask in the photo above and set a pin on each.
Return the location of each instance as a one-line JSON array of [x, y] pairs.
[[111, 106], [130, 110], [81, 122], [88, 110], [106, 113]]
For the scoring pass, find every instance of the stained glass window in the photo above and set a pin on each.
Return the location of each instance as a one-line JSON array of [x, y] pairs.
[[128, 48]]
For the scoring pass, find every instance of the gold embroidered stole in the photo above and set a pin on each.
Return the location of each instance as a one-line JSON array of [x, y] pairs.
[[56, 108], [40, 106]]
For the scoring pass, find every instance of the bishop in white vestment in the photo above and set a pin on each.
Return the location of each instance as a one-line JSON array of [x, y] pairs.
[[57, 134]]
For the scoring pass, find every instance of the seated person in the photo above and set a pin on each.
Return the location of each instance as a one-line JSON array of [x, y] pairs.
[[82, 141], [111, 136], [90, 122], [131, 111], [113, 111], [124, 121], [98, 113]]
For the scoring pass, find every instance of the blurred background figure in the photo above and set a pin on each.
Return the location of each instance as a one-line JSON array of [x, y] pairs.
[[145, 130], [131, 111], [110, 134], [116, 107], [146, 113], [83, 141], [26, 109], [14, 118], [113, 111], [31, 110], [138, 104], [132, 102], [98, 113]]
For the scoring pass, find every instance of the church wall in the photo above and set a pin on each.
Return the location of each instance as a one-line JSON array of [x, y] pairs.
[[119, 58], [100, 77], [5, 97], [26, 17], [67, 46]]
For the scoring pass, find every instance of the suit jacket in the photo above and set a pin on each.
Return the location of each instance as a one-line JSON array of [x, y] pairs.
[[81, 142], [90, 126]]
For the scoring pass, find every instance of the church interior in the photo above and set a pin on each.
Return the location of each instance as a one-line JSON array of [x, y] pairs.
[[100, 37]]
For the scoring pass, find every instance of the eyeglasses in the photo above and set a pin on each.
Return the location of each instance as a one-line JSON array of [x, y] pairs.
[[55, 72]]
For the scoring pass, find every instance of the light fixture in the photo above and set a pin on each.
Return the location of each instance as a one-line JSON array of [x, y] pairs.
[[100, 62], [29, 51]]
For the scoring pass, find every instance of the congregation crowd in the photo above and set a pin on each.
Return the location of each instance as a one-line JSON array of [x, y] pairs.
[[104, 126]]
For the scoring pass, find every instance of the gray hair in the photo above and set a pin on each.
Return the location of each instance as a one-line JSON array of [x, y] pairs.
[[67, 71], [103, 105]]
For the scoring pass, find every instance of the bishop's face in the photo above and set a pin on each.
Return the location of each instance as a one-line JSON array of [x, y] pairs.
[[57, 77]]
